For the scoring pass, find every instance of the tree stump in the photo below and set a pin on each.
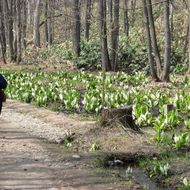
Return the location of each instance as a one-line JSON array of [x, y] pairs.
[[123, 115]]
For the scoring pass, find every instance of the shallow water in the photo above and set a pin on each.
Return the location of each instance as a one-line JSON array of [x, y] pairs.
[[141, 178], [144, 180]]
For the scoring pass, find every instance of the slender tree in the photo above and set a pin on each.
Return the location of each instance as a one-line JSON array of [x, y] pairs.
[[106, 66], [24, 25], [29, 17], [76, 28], [149, 43], [115, 37], [167, 54], [88, 18], [50, 21], [133, 10], [2, 33], [153, 36], [36, 28], [18, 31], [9, 12], [126, 17], [46, 17], [110, 9], [162, 74], [188, 32]]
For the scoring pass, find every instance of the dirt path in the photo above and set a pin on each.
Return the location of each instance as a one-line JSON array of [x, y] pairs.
[[23, 163], [27, 162]]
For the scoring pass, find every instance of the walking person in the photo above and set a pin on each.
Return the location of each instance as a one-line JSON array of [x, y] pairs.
[[3, 86]]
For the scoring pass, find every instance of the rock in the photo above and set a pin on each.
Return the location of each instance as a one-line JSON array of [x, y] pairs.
[[118, 162], [76, 156]]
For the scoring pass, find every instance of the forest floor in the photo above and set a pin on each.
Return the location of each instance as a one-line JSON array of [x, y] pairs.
[[43, 149], [30, 162], [33, 152]]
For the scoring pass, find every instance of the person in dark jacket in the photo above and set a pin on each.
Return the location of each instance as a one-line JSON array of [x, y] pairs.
[[3, 86]]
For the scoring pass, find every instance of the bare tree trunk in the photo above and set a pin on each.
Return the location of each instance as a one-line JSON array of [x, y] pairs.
[[172, 7], [15, 29], [188, 32], [9, 6], [167, 54], [53, 20], [29, 12], [46, 17], [36, 29], [126, 18], [115, 37], [24, 26], [149, 44], [66, 22], [186, 38], [88, 18], [189, 40], [76, 28], [133, 7], [106, 66], [153, 36], [2, 33], [110, 9], [18, 31], [50, 22]]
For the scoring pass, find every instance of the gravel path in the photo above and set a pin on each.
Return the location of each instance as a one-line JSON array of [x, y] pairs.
[[24, 164], [35, 126], [43, 123]]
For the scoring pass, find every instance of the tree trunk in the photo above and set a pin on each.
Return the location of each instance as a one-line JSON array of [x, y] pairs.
[[46, 17], [126, 18], [24, 27], [189, 40], [188, 33], [186, 38], [36, 29], [18, 31], [106, 66], [167, 54], [172, 7], [76, 28], [50, 22], [133, 8], [115, 37], [29, 12], [9, 6], [88, 18], [149, 44], [110, 9], [2, 33], [15, 29], [153, 36]]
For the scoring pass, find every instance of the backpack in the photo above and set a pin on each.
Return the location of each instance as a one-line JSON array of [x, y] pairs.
[[3, 82]]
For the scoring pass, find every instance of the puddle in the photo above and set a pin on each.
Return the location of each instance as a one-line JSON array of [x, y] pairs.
[[144, 180], [140, 177], [130, 171]]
